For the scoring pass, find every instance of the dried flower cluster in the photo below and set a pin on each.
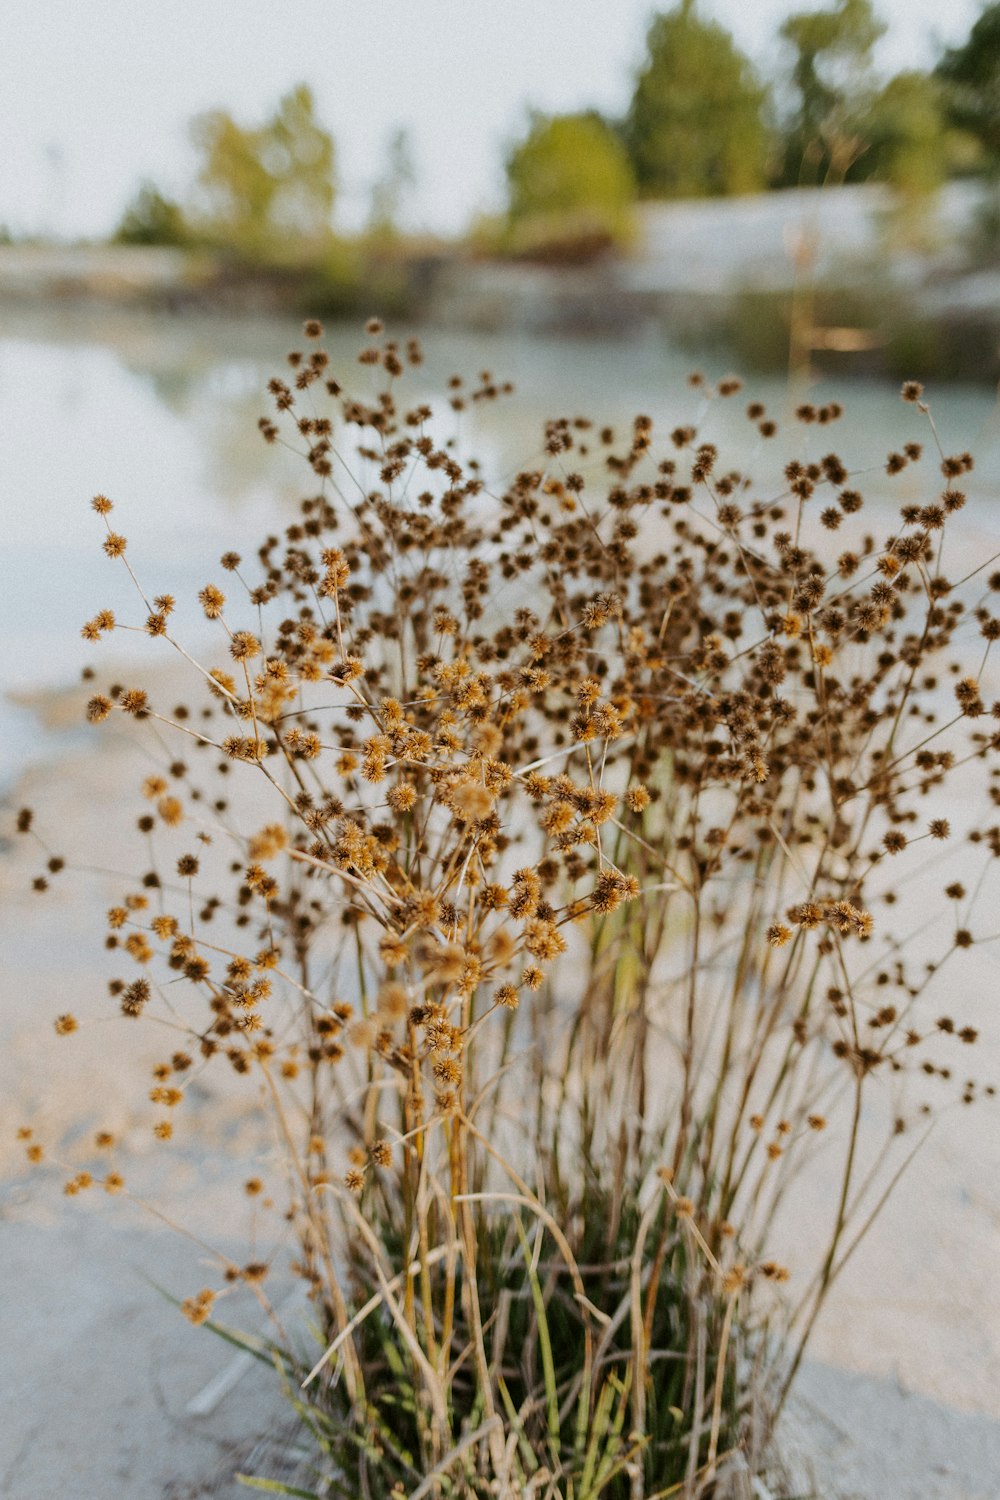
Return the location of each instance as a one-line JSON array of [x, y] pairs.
[[558, 929]]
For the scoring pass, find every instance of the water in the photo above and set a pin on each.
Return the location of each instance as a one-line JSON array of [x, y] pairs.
[[160, 413]]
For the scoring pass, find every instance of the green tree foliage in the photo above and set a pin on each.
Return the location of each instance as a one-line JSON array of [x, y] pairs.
[[697, 124], [833, 89], [970, 75], [152, 219], [267, 191], [568, 180], [908, 135]]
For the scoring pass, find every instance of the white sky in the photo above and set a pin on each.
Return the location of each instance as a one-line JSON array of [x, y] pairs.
[[95, 94]]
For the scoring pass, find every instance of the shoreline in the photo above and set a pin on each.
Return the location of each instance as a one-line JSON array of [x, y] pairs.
[[682, 280]]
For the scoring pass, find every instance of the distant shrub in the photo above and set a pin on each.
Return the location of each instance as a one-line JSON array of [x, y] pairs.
[[152, 219], [570, 189]]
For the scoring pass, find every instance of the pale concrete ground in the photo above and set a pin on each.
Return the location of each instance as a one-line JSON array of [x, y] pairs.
[[99, 1368], [899, 1403], [849, 1437]]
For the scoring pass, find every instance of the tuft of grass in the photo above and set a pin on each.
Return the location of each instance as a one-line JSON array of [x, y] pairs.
[[529, 848]]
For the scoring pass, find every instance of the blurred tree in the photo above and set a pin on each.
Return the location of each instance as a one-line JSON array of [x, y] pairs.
[[267, 191], [299, 154], [908, 136], [697, 123], [569, 182], [391, 188], [152, 219], [970, 75], [832, 82], [236, 188]]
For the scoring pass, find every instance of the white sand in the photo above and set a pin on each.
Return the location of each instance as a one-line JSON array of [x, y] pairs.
[[901, 1399]]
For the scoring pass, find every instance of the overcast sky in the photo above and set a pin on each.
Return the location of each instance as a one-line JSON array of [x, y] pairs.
[[95, 94]]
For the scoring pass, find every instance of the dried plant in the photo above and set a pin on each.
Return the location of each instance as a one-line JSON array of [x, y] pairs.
[[542, 918]]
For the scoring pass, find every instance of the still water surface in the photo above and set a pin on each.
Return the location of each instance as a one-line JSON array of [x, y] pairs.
[[160, 414]]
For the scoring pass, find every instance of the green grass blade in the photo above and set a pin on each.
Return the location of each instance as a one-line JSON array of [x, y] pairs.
[[613, 1459], [275, 1487], [524, 1447], [544, 1341], [597, 1432]]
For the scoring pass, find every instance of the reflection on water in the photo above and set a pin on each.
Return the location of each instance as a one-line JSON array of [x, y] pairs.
[[160, 413]]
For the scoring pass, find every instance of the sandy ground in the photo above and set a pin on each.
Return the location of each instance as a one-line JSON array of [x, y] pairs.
[[901, 1400]]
